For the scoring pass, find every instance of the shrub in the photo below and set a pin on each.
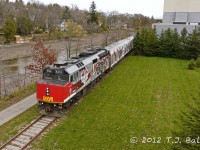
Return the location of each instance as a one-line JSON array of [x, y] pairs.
[[192, 64], [198, 62]]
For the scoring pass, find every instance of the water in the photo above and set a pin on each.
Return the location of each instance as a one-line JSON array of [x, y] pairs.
[[17, 65], [13, 66]]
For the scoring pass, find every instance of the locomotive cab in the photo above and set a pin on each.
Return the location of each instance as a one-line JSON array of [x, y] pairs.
[[52, 89]]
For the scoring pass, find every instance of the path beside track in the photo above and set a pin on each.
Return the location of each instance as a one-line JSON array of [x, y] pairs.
[[18, 108]]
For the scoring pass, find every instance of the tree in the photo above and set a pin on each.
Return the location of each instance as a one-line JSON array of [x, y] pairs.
[[78, 33], [192, 64], [193, 44], [93, 15], [146, 42], [9, 28], [24, 25], [53, 17], [183, 51], [42, 56], [66, 13], [73, 30], [188, 124], [198, 62]]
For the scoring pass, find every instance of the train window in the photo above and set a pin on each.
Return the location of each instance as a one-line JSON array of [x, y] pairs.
[[55, 75], [94, 61], [74, 77]]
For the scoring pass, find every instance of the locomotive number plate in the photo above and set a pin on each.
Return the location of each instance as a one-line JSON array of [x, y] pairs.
[[47, 99]]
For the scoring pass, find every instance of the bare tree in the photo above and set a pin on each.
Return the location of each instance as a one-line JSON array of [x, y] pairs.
[[92, 28], [105, 40], [73, 30]]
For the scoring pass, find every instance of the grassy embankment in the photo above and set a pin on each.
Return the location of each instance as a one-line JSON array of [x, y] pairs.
[[142, 97], [17, 96], [12, 127]]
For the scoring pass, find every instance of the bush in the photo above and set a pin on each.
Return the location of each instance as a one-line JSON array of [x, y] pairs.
[[198, 62], [192, 64]]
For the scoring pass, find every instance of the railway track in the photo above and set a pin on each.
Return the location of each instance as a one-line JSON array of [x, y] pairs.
[[27, 135]]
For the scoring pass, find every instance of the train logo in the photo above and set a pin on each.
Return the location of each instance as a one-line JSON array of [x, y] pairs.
[[47, 99]]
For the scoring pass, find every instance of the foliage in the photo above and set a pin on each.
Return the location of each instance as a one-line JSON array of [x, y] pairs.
[[189, 124], [66, 13], [168, 44], [198, 62], [192, 64], [135, 110], [93, 15], [73, 30], [24, 25], [42, 56], [9, 28], [48, 17], [146, 42]]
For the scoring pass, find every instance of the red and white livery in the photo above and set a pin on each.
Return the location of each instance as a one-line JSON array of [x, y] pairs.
[[66, 80]]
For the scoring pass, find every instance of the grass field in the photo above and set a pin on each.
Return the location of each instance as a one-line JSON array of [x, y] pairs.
[[141, 97]]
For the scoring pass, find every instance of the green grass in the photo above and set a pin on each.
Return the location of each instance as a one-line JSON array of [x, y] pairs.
[[17, 96], [142, 97], [12, 127]]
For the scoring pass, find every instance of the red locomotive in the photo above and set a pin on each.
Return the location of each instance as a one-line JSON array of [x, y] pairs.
[[65, 81]]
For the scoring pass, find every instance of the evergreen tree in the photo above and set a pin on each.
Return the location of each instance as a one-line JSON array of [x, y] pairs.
[[193, 43], [150, 43], [183, 51], [169, 43], [192, 64], [138, 43], [9, 28], [198, 62], [93, 15], [66, 13], [189, 125]]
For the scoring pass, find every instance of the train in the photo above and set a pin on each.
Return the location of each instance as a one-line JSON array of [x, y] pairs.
[[65, 81]]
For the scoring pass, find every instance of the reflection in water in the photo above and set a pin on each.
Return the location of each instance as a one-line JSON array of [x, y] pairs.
[[15, 65]]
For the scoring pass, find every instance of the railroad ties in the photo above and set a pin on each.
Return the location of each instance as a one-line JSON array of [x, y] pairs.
[[25, 137]]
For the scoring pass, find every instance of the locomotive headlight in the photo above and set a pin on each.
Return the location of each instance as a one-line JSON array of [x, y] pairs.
[[47, 91]]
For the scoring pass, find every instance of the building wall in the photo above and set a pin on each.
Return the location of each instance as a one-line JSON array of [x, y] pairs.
[[170, 17], [179, 14], [182, 6]]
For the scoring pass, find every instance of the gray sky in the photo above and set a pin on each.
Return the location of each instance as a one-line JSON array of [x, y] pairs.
[[145, 7]]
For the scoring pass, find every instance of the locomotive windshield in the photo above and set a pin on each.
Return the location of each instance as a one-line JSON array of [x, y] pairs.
[[55, 75]]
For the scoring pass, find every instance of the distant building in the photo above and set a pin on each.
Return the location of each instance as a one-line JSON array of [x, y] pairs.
[[63, 26], [180, 14]]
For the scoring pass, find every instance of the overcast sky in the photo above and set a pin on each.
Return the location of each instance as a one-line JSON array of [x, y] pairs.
[[145, 7]]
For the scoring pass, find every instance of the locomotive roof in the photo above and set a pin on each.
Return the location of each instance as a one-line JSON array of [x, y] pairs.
[[84, 62], [76, 63]]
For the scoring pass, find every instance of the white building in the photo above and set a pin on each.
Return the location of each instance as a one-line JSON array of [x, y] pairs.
[[180, 14]]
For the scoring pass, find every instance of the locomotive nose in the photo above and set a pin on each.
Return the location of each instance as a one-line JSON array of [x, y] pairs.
[[52, 93]]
